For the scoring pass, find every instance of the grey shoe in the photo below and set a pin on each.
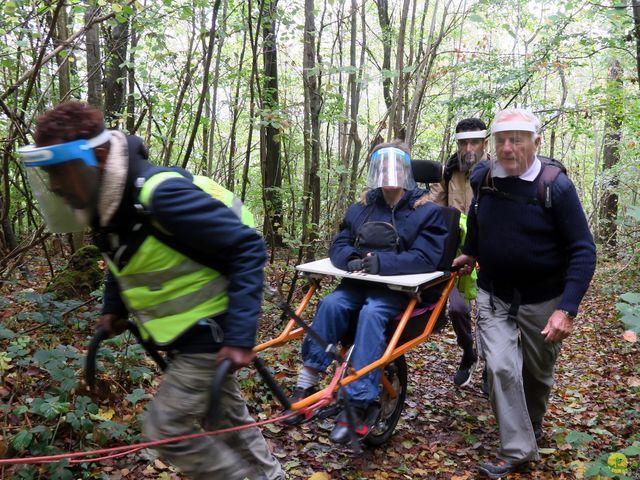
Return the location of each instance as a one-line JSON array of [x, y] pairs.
[[462, 378], [497, 468]]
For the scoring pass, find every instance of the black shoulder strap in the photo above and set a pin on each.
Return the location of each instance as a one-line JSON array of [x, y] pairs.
[[446, 190], [545, 183]]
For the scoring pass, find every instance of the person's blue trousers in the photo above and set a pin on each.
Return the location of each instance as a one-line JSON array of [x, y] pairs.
[[373, 307]]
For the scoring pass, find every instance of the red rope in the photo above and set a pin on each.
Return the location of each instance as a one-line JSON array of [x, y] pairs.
[[129, 449], [115, 452]]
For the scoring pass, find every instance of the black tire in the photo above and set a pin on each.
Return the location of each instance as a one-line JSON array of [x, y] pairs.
[[390, 409]]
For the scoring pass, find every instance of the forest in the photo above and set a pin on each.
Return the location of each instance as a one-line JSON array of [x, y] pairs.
[[281, 102]]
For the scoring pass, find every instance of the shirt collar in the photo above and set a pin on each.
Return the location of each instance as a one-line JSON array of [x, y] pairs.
[[533, 171], [528, 176]]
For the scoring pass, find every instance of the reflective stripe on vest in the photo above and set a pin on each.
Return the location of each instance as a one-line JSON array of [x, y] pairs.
[[167, 291], [205, 184]]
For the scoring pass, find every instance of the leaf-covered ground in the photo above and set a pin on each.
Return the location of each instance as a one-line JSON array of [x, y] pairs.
[[443, 434]]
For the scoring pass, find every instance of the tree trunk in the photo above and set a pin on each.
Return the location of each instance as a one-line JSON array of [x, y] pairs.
[[385, 29], [62, 58], [184, 82], [253, 86], [270, 144], [131, 84], [205, 84], [114, 80], [94, 60], [311, 132], [214, 91], [235, 112], [351, 152], [563, 100], [396, 115], [636, 22], [611, 155]]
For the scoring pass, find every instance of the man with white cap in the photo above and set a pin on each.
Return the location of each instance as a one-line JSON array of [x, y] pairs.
[[455, 191], [536, 261]]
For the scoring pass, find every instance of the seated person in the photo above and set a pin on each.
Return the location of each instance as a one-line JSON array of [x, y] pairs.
[[392, 230]]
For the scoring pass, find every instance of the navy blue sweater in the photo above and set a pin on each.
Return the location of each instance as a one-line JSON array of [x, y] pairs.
[[205, 230], [540, 252]]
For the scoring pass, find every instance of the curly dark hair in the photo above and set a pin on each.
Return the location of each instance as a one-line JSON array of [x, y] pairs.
[[469, 124], [67, 122]]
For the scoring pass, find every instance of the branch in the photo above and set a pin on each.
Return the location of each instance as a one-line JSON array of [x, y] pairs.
[[54, 52]]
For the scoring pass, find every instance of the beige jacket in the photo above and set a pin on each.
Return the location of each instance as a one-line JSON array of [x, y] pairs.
[[460, 192]]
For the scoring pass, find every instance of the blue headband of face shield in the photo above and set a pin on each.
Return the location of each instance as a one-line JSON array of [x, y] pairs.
[[398, 152], [82, 149]]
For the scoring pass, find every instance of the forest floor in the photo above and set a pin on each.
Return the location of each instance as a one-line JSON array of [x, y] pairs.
[[444, 431]]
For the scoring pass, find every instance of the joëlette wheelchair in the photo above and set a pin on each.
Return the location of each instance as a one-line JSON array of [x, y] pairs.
[[427, 297]]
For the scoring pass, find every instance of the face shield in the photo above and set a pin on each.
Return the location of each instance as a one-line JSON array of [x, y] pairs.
[[390, 167], [64, 179], [515, 144], [470, 148]]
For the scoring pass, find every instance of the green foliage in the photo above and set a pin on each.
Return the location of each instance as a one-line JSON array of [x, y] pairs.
[[629, 310], [620, 465], [82, 275]]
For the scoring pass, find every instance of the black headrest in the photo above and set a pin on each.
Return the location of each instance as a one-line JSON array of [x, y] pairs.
[[426, 171]]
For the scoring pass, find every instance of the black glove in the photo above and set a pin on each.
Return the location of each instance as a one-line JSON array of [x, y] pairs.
[[354, 265], [371, 264]]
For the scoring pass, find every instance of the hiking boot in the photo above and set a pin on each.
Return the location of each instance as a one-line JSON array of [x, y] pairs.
[[497, 468], [462, 378], [538, 431], [365, 416], [299, 394], [485, 382]]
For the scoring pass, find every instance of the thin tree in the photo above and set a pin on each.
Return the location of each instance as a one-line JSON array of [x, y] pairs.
[[611, 155], [205, 84], [270, 143], [312, 105]]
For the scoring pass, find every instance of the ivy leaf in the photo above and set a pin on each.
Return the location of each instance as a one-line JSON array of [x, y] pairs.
[[22, 440], [578, 439], [137, 395], [631, 451]]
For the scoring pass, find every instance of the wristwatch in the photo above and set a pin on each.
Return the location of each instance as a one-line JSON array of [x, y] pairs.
[[568, 315]]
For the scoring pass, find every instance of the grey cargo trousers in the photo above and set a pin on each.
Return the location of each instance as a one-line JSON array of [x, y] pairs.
[[520, 368], [179, 408]]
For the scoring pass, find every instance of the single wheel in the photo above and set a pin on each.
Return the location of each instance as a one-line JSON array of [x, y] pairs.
[[390, 408]]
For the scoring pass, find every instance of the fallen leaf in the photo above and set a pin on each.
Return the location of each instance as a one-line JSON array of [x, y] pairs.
[[630, 336], [320, 476]]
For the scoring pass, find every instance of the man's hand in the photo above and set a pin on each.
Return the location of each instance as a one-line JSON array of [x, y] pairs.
[[559, 327], [113, 324], [240, 357], [464, 263]]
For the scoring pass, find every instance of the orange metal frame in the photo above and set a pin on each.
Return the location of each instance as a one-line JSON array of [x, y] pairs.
[[324, 397]]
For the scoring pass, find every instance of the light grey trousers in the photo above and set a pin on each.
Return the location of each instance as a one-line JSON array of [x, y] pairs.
[[180, 407], [520, 369]]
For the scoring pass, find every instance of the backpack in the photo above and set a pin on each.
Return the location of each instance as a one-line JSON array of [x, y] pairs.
[[551, 168]]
